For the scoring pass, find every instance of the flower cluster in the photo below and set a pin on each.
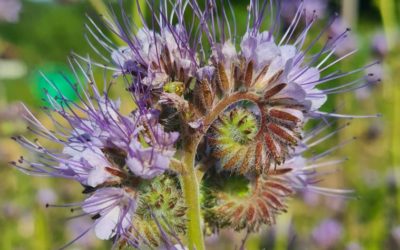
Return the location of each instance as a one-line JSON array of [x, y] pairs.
[[110, 154], [210, 110]]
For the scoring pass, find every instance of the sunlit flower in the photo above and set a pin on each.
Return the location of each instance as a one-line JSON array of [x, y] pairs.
[[214, 109], [108, 153], [158, 57]]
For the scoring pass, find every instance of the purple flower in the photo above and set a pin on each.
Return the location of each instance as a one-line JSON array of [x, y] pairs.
[[108, 153], [161, 57], [234, 105], [149, 162], [275, 61], [86, 163], [113, 209], [328, 233], [95, 140], [277, 72], [165, 141], [146, 162], [170, 50]]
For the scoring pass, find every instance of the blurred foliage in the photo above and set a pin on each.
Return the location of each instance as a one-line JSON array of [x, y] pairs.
[[44, 37]]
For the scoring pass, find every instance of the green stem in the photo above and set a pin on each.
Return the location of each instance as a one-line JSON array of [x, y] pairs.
[[191, 194], [190, 180], [225, 103]]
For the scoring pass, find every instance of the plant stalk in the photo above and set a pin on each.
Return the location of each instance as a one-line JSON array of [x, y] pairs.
[[190, 180], [190, 185]]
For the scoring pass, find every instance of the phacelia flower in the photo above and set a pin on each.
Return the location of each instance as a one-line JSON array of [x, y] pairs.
[[159, 57], [112, 209], [111, 155], [212, 109]]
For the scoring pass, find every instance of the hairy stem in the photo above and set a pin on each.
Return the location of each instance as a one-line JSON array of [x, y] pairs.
[[225, 103], [190, 180], [190, 185]]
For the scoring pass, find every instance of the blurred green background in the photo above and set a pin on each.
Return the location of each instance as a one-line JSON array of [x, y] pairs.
[[38, 35]]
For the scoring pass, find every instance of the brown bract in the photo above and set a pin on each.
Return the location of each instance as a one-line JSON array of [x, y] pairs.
[[281, 116], [266, 199]]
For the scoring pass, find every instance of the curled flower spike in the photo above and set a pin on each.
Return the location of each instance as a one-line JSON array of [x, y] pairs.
[[249, 202], [266, 199], [233, 139]]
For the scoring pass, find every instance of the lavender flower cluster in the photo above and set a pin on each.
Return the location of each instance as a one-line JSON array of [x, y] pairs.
[[211, 110]]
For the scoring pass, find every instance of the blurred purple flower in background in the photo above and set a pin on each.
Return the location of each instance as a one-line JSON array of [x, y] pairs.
[[311, 198], [313, 8], [9, 10], [395, 233], [10, 210], [327, 233], [46, 196], [374, 75], [79, 227], [339, 33], [353, 246], [379, 44]]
